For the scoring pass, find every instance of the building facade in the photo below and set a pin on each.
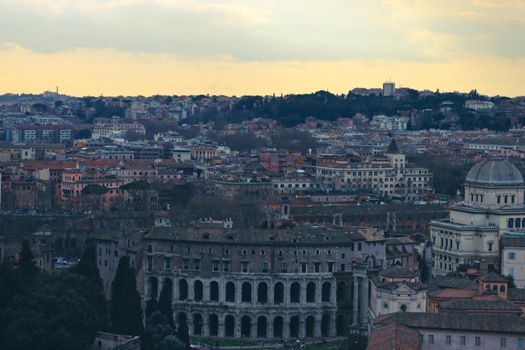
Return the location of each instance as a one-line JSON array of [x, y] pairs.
[[299, 283], [493, 203]]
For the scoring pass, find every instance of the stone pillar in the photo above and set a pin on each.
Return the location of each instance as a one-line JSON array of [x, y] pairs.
[[318, 289], [270, 293], [302, 327], [363, 301], [355, 305], [237, 327], [286, 326], [317, 328], [238, 290], [221, 329], [269, 326], [253, 331], [191, 289], [302, 296], [176, 282], [206, 291], [205, 325], [254, 292]]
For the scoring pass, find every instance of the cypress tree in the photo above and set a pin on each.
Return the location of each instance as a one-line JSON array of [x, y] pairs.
[[87, 267], [26, 261], [151, 306], [166, 301], [125, 309]]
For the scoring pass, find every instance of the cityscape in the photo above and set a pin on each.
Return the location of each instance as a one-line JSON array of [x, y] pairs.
[[386, 216]]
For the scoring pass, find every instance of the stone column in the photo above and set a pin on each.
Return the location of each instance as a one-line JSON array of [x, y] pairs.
[[206, 290], [286, 326], [363, 301], [302, 328], [317, 328], [270, 293], [253, 331], [176, 282], [355, 306], [237, 332], [238, 290], [205, 325], [221, 329], [191, 289], [302, 290]]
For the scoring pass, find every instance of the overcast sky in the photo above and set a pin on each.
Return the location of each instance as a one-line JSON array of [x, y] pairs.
[[128, 47]]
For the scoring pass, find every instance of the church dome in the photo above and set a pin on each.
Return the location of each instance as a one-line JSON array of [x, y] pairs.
[[494, 172]]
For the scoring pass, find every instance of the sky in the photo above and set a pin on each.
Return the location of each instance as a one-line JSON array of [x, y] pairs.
[[243, 47]]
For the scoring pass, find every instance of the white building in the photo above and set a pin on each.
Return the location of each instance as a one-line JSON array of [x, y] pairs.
[[388, 89], [493, 204], [389, 123], [513, 257], [396, 289], [478, 105]]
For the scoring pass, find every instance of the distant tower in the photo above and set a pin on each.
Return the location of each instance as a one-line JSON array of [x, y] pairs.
[[389, 88]]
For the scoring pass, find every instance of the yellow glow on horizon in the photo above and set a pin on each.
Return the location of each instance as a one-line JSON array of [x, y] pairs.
[[111, 73]]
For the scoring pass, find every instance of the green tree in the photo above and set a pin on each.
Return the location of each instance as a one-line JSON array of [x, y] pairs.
[[11, 284], [125, 309], [26, 261], [166, 302], [55, 313], [87, 267], [158, 334], [152, 305], [183, 334]]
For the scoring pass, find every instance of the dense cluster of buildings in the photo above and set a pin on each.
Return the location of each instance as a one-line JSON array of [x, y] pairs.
[[345, 239]]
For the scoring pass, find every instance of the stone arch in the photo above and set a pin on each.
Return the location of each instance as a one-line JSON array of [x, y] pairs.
[[198, 290], [213, 325], [182, 319], [230, 292], [153, 287], [310, 292], [294, 327], [325, 325], [341, 326], [262, 293], [310, 327], [197, 324], [295, 292], [246, 292], [229, 326], [278, 327], [278, 293], [246, 327], [214, 291], [183, 289], [326, 292], [262, 327]]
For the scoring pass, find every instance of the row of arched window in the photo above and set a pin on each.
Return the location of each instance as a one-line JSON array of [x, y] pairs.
[[259, 327], [246, 295]]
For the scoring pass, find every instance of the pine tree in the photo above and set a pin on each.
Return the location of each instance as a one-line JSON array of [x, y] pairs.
[[166, 301], [26, 261], [125, 309], [151, 306]]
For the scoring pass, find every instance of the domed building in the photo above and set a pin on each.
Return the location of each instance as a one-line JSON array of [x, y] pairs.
[[493, 204]]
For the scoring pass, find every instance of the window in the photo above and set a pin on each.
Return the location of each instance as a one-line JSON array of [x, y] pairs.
[[490, 246], [330, 267], [263, 252], [185, 264], [244, 252], [245, 266], [511, 255], [463, 340], [343, 268], [226, 266], [284, 267], [477, 340], [216, 266], [503, 342], [448, 339], [304, 268], [431, 339], [264, 267], [167, 263], [359, 246], [197, 265]]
